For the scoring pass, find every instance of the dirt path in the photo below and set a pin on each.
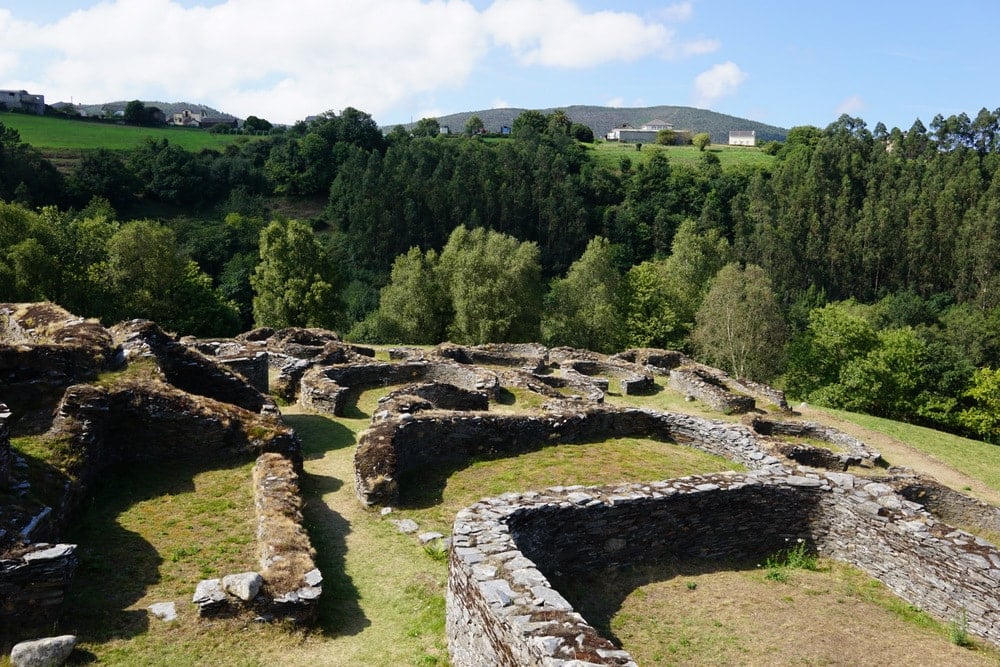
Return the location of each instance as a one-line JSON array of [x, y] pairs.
[[898, 453]]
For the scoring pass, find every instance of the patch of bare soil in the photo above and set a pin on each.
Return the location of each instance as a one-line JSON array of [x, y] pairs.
[[695, 616]]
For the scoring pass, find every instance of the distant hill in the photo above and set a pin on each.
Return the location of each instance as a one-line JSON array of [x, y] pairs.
[[602, 119], [166, 107]]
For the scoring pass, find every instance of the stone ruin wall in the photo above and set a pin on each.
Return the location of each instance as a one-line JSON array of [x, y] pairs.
[[694, 382], [288, 585], [33, 583], [947, 504], [502, 607], [528, 356], [44, 353], [393, 447], [761, 391], [631, 380], [250, 360], [44, 349], [187, 368], [326, 388], [858, 453], [430, 396]]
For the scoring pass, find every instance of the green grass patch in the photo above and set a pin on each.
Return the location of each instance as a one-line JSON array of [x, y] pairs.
[[777, 567], [58, 133], [610, 153], [433, 497]]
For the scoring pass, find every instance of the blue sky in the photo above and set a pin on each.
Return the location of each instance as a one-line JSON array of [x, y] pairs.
[[782, 62]]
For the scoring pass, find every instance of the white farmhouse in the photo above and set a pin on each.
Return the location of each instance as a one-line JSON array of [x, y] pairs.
[[742, 137]]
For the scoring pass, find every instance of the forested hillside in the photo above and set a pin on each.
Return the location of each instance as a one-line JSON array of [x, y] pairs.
[[602, 119], [858, 269]]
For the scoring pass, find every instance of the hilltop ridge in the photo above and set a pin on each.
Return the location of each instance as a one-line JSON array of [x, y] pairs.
[[602, 119]]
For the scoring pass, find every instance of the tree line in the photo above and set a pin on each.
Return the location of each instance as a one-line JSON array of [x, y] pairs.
[[858, 270]]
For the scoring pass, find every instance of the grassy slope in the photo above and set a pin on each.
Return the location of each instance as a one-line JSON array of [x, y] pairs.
[[610, 154], [149, 538], [59, 134]]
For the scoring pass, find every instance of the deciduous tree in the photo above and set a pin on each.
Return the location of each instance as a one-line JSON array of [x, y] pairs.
[[493, 282], [295, 284], [582, 309], [739, 325]]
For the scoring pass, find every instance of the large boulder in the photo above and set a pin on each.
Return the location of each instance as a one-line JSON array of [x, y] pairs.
[[48, 652]]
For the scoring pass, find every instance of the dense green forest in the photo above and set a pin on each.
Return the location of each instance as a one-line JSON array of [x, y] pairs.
[[858, 269]]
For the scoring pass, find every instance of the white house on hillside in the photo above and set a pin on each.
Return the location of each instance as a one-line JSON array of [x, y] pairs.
[[22, 99], [742, 138], [643, 135]]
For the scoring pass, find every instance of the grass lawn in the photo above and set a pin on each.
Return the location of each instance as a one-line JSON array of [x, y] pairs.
[[610, 154], [58, 134], [150, 535]]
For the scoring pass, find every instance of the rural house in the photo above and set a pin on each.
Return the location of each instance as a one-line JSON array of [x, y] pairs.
[[644, 135], [188, 118], [23, 100], [742, 137]]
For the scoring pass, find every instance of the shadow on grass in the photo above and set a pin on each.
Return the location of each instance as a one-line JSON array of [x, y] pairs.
[[598, 595], [340, 612], [117, 565], [319, 434], [423, 487]]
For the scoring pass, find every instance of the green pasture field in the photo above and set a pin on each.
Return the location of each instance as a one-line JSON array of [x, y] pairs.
[[49, 134], [610, 153]]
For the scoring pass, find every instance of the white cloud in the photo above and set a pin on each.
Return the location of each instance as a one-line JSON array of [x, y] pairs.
[[500, 104], [681, 11], [719, 81], [283, 61], [556, 33], [615, 102], [851, 106], [253, 56]]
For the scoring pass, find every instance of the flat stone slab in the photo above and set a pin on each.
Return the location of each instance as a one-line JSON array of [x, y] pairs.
[[406, 525], [429, 537], [165, 611]]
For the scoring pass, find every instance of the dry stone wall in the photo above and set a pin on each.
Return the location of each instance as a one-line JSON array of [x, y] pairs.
[[44, 349], [188, 369], [946, 504], [502, 608], [697, 382], [654, 358], [250, 359], [529, 356], [433, 395], [289, 584], [33, 585], [392, 447], [325, 389], [857, 452]]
